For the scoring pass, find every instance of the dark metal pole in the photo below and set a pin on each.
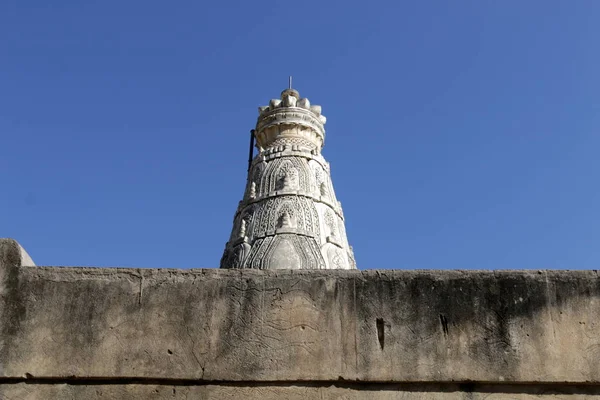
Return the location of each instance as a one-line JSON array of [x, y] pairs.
[[251, 152]]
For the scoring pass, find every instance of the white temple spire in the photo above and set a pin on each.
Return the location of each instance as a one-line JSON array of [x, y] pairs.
[[289, 216]]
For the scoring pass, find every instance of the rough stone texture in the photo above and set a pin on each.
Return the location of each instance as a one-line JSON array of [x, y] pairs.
[[134, 391], [258, 333], [289, 217]]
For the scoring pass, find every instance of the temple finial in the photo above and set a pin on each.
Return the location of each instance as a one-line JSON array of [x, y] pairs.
[[290, 82], [283, 116]]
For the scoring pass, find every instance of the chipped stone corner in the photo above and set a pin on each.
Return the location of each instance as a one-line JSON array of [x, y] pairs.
[[12, 254]]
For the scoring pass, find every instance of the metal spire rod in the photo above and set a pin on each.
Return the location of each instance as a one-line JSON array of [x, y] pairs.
[[290, 82], [251, 152]]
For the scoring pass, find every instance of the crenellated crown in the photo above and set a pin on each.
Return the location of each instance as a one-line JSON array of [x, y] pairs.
[[290, 117]]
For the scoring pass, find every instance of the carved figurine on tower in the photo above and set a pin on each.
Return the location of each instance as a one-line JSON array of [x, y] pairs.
[[289, 217]]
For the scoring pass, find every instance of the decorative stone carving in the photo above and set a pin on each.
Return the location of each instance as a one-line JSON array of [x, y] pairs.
[[289, 217], [243, 229], [283, 252], [287, 176], [323, 189], [331, 225], [289, 101], [335, 258], [351, 257], [294, 167]]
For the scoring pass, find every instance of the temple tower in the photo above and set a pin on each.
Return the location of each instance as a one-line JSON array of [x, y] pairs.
[[289, 217]]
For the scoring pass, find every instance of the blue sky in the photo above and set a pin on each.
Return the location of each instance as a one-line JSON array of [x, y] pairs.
[[461, 134]]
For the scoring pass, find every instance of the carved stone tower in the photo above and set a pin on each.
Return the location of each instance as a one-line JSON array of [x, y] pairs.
[[289, 217]]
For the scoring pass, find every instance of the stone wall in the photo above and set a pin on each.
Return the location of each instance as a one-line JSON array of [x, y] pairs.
[[116, 333]]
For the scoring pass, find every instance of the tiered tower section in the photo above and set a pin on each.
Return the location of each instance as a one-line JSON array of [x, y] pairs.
[[289, 217]]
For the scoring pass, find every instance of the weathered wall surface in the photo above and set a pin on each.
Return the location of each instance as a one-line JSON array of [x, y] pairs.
[[217, 334], [292, 391]]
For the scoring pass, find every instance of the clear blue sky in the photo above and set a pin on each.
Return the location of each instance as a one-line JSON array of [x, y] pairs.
[[461, 134]]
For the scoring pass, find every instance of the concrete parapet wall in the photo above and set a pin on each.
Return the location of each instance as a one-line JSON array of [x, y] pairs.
[[293, 391], [148, 333]]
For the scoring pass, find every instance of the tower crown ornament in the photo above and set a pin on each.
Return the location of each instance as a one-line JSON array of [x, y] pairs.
[[290, 116], [289, 217]]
